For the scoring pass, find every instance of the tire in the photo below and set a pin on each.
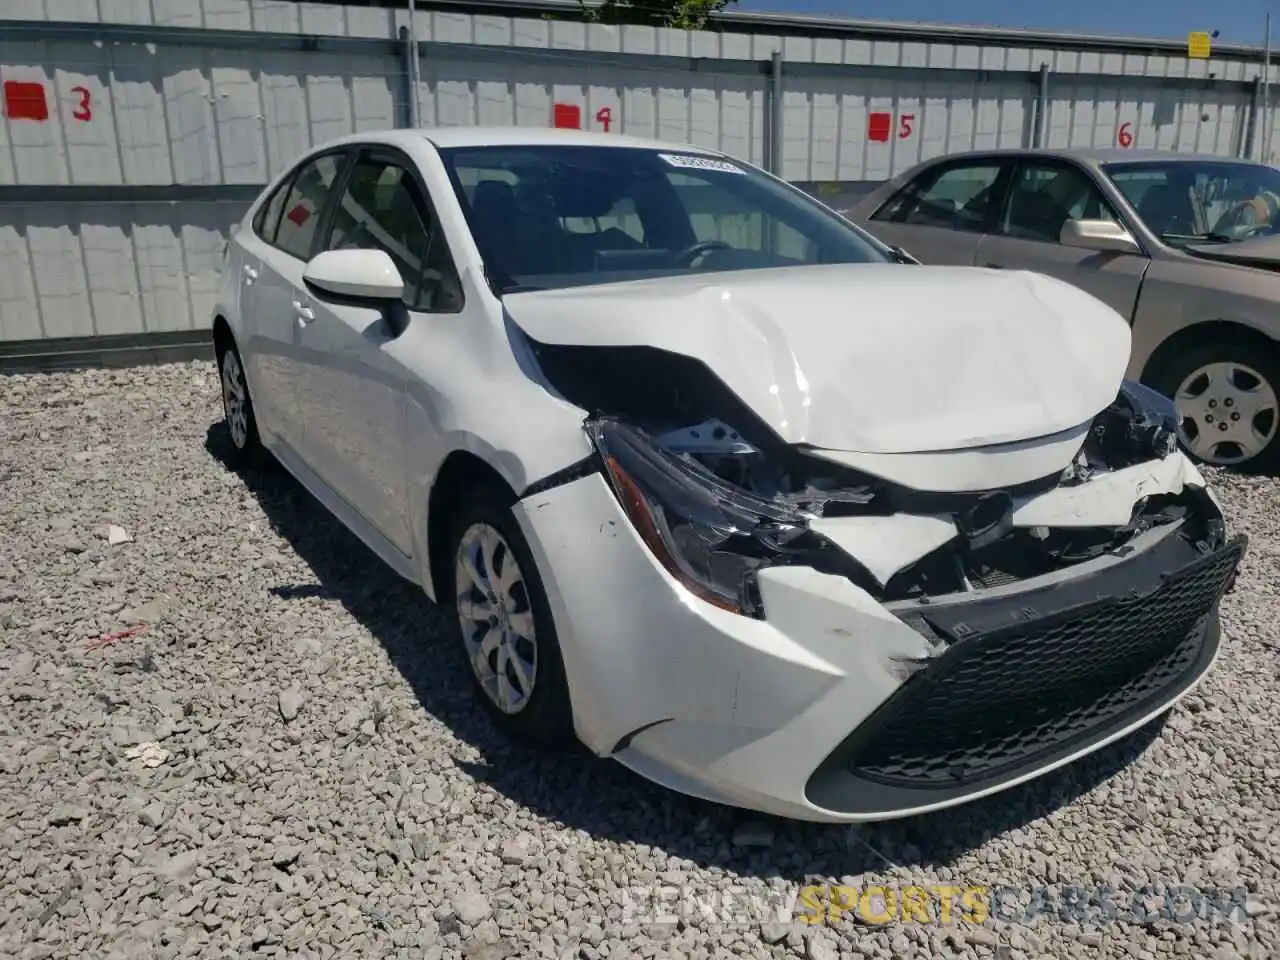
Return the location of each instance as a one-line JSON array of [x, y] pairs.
[[246, 448], [1211, 384], [541, 716]]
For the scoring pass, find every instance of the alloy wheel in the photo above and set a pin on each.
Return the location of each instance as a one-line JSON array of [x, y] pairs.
[[1227, 413], [235, 396], [496, 617]]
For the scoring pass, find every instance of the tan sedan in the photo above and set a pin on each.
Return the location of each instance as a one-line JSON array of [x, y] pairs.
[[1186, 247]]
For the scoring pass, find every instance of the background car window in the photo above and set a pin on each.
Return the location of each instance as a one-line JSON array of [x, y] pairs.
[[268, 217], [958, 198], [382, 209], [302, 205], [1044, 197]]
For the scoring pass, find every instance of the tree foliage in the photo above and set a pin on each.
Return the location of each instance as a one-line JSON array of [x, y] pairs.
[[681, 14]]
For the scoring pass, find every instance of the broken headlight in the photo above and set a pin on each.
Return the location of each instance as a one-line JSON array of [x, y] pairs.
[[708, 534], [1140, 425]]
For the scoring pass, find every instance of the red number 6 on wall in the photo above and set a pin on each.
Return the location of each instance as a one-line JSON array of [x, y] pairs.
[[1124, 136]]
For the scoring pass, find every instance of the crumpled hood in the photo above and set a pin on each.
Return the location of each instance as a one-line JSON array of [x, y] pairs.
[[874, 358]]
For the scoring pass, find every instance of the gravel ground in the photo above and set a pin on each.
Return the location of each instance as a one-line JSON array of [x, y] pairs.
[[286, 759]]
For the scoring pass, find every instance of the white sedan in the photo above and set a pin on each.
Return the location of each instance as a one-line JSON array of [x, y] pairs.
[[716, 483]]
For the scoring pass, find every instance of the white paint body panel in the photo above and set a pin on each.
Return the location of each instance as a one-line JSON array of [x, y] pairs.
[[737, 709], [878, 359]]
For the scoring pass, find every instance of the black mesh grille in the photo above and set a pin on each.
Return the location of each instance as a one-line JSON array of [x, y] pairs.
[[1000, 699]]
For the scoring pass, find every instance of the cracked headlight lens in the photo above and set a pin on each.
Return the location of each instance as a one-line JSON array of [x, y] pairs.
[[708, 534]]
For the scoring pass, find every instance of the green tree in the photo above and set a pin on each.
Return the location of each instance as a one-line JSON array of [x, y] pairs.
[[682, 14]]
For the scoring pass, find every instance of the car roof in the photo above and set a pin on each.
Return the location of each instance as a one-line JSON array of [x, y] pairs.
[[1100, 155], [447, 137]]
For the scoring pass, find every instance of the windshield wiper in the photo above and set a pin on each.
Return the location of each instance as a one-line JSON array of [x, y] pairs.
[[1199, 237], [901, 256]]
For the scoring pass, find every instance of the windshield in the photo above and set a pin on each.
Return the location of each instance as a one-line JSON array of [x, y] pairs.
[[1185, 201], [558, 216]]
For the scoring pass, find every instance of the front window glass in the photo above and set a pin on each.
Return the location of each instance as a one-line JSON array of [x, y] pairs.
[[1186, 201], [560, 216], [1044, 197], [381, 209]]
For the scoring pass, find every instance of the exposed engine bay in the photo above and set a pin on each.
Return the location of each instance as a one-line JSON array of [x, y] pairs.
[[717, 495]]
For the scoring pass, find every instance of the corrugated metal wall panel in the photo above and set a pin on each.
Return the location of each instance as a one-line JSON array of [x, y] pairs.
[[162, 115], [133, 108], [826, 123], [1089, 114], [87, 269], [724, 112]]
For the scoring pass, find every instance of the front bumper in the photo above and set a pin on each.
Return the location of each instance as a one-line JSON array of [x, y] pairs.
[[836, 708]]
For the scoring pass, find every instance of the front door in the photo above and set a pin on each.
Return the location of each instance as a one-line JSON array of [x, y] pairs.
[[1044, 195], [357, 386]]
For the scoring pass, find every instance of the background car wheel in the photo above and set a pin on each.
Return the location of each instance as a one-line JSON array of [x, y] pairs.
[[505, 627], [237, 408], [1227, 399]]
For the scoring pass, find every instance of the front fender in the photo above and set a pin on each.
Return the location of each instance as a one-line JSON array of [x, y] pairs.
[[1179, 294]]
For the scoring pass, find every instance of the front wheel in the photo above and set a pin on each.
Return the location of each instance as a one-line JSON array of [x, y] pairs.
[[1226, 397], [505, 627]]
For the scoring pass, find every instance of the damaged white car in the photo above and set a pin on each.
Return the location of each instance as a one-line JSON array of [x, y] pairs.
[[713, 481]]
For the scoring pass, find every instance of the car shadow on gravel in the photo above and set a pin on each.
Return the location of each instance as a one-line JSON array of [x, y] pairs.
[[598, 796]]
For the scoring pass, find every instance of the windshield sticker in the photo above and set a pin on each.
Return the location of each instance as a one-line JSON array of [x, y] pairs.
[[688, 162]]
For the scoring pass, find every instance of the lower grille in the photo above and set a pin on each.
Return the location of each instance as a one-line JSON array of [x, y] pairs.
[[998, 700]]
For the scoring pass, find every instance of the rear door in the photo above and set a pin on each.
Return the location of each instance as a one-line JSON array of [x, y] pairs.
[[1044, 194], [266, 340], [276, 291], [941, 215]]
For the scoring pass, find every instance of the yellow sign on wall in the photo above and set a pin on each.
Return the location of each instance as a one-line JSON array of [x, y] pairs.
[[1198, 45]]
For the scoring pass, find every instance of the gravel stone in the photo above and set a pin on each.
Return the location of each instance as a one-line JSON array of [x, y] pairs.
[[471, 908], [290, 702], [386, 818]]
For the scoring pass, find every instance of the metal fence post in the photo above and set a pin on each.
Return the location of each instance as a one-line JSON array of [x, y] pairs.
[[1252, 124], [408, 117], [773, 145], [1042, 109]]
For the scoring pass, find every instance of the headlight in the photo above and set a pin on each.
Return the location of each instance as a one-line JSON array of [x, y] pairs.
[[708, 534], [1140, 425]]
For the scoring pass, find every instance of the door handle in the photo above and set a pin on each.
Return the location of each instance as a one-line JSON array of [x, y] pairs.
[[305, 313], [250, 273]]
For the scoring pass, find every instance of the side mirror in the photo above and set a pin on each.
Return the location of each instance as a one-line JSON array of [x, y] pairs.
[[1098, 235], [355, 275]]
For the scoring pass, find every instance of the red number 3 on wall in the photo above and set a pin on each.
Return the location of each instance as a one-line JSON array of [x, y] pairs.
[[83, 110]]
